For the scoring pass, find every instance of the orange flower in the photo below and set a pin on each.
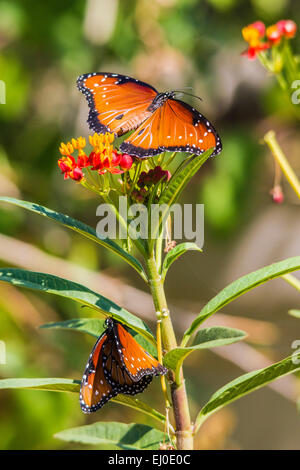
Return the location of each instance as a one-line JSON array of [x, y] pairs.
[[79, 144], [288, 28], [103, 158], [283, 28], [253, 35], [274, 34], [69, 168]]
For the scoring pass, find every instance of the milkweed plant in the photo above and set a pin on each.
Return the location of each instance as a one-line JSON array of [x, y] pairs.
[[150, 250]]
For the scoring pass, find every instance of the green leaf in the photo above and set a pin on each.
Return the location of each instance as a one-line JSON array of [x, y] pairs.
[[138, 405], [72, 290], [50, 384], [79, 227], [294, 313], [239, 287], [247, 383], [92, 326], [70, 385], [175, 253], [205, 338], [95, 327], [175, 187], [177, 184], [115, 435]]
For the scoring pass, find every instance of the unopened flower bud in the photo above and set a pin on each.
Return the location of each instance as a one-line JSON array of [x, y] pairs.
[[126, 161], [277, 194], [288, 28]]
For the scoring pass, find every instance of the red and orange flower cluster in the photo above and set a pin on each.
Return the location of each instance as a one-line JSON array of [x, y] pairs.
[[261, 38], [103, 158]]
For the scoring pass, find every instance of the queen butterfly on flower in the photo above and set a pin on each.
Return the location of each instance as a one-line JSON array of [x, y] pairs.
[[119, 104], [117, 364]]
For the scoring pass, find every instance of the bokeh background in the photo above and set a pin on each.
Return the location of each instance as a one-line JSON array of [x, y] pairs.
[[171, 44]]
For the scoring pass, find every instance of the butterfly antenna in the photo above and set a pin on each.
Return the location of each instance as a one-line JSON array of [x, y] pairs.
[[186, 93]]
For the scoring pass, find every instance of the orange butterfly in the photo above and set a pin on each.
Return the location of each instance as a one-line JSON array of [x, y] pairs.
[[117, 364], [120, 104]]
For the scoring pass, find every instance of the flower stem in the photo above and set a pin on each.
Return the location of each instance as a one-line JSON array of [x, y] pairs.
[[292, 280], [271, 141], [137, 242], [184, 438]]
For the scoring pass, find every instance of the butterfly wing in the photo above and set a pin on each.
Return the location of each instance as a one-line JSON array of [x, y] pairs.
[[138, 363], [175, 126], [115, 371], [117, 103], [95, 390]]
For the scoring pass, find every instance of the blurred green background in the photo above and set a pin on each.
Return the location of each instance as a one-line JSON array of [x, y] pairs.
[[170, 44]]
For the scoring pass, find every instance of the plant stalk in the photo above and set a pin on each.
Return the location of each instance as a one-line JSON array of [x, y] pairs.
[[292, 281], [270, 139], [184, 437]]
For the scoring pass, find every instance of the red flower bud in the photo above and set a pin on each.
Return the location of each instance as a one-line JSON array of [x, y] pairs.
[[141, 181], [76, 174], [160, 174], [126, 162], [168, 175], [277, 194], [274, 34], [116, 158], [64, 168], [137, 196], [83, 161], [259, 25], [148, 179], [68, 166], [288, 28], [96, 162]]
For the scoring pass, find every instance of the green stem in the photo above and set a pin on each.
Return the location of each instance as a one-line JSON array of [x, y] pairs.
[[170, 160], [290, 61], [136, 176], [139, 245], [292, 281], [271, 141], [158, 247], [184, 437]]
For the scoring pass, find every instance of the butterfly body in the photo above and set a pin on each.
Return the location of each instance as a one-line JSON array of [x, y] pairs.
[[117, 364], [160, 122], [160, 100]]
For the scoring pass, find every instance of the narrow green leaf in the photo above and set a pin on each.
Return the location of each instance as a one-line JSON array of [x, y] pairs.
[[175, 187], [175, 253], [138, 405], [177, 184], [247, 383], [239, 287], [294, 313], [50, 384], [92, 326], [95, 327], [70, 385], [205, 338], [78, 227], [118, 435], [72, 290]]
